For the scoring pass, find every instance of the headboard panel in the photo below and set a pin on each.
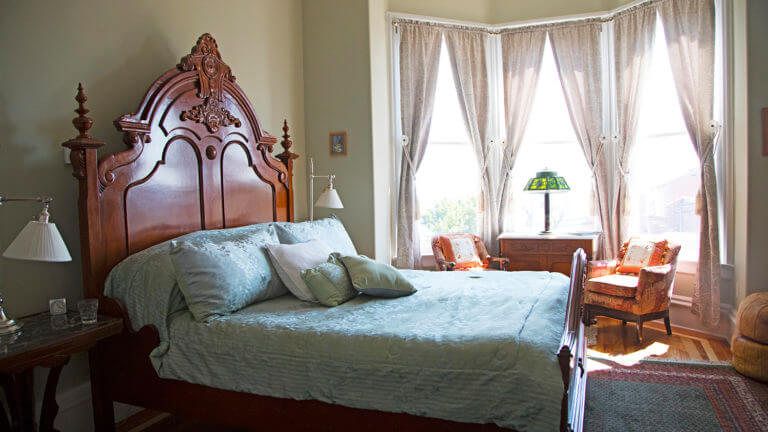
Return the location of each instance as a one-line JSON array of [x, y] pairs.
[[198, 158]]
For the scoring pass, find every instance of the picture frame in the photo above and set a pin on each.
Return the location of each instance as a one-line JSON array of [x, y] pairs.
[[338, 143]]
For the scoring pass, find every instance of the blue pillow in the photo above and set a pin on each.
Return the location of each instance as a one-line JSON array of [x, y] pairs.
[[221, 271], [328, 230]]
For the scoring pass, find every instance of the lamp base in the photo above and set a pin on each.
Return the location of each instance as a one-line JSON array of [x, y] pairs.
[[545, 232], [8, 326]]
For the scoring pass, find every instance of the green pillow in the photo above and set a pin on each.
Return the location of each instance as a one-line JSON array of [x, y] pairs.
[[329, 283], [375, 278]]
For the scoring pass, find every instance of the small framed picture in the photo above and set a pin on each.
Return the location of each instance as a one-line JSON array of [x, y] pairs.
[[338, 142], [57, 306]]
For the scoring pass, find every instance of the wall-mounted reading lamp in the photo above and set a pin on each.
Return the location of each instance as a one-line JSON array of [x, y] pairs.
[[328, 198]]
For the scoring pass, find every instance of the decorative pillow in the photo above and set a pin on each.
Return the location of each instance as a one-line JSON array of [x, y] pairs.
[[222, 272], [638, 253], [291, 259], [460, 249], [329, 283], [375, 278], [328, 230]]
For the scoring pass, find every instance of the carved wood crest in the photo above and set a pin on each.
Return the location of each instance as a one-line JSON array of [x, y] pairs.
[[211, 73]]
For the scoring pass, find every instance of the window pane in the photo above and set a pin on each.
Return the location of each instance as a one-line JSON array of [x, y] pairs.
[[448, 180], [664, 168], [550, 143]]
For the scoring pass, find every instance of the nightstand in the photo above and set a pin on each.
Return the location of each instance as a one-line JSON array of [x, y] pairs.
[[44, 340], [547, 252]]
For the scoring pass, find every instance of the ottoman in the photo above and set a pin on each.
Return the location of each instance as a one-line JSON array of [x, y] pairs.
[[750, 345]]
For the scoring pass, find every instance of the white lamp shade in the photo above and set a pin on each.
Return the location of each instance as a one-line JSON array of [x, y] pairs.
[[329, 199], [39, 241]]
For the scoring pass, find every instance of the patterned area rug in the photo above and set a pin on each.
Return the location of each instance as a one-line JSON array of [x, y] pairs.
[[667, 396]]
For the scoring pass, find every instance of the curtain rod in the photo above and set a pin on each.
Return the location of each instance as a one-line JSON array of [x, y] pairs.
[[397, 17]]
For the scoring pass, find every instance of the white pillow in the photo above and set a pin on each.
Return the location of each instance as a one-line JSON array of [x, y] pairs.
[[291, 259]]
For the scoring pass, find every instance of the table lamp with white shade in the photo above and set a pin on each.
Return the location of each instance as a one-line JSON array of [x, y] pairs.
[[39, 240], [328, 198]]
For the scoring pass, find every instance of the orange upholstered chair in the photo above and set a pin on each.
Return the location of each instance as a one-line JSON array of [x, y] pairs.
[[463, 252], [636, 287]]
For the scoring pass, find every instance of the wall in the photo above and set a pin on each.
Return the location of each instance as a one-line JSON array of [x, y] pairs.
[[381, 122], [757, 207], [337, 97], [117, 49], [501, 11], [740, 149]]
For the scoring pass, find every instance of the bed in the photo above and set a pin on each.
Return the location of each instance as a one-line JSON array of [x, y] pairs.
[[473, 353]]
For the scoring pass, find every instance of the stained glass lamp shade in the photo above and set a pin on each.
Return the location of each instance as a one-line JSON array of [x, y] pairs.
[[546, 182]]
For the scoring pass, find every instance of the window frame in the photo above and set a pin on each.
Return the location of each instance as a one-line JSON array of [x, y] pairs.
[[723, 111]]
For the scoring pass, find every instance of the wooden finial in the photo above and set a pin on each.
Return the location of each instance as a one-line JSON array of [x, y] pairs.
[[286, 143], [286, 156], [81, 122], [82, 145]]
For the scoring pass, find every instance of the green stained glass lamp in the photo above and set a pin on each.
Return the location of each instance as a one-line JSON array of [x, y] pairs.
[[546, 182]]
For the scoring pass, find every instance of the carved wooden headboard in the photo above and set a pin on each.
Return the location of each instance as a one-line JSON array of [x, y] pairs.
[[198, 158]]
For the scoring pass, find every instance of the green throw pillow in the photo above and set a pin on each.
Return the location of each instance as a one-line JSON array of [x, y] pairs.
[[329, 283], [375, 278]]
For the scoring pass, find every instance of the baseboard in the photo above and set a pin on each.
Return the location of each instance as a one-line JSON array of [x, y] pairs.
[[681, 316], [75, 411]]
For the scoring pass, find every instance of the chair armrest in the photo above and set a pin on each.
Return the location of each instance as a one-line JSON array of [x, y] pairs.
[[654, 274], [501, 260], [655, 282], [599, 268]]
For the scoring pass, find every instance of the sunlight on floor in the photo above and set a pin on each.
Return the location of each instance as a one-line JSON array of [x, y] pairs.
[[654, 349]]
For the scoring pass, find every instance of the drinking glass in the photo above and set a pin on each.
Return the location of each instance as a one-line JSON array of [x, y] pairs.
[[88, 309]]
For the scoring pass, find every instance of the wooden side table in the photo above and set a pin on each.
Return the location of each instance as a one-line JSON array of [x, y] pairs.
[[545, 252], [47, 341]]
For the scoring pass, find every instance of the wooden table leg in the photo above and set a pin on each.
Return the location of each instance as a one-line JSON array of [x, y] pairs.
[[21, 401], [4, 423], [50, 408], [6, 383], [103, 408]]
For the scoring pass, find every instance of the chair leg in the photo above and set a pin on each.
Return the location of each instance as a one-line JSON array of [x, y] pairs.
[[639, 325], [667, 324]]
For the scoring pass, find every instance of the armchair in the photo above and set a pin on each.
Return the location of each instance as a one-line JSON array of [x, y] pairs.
[[631, 297], [463, 252]]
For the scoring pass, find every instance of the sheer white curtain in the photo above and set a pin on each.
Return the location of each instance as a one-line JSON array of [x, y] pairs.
[[578, 56], [419, 58], [469, 62], [521, 63], [633, 42], [689, 27]]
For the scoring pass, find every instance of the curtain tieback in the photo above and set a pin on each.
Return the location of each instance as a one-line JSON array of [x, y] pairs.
[[624, 171], [715, 126], [405, 142]]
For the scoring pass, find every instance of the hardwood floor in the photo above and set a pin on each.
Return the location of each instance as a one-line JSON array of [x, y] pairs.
[[616, 340], [613, 342]]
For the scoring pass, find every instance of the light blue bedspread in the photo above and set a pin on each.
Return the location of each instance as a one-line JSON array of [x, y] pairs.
[[470, 347]]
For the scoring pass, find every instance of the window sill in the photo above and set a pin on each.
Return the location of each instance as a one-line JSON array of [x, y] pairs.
[[687, 267]]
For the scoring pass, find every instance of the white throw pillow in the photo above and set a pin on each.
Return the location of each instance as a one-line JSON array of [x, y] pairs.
[[291, 259]]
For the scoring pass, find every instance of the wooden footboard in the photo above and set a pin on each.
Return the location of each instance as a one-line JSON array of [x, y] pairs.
[[572, 355]]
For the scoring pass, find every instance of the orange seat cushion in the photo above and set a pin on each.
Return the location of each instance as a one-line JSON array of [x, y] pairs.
[[638, 253], [614, 284], [461, 249]]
